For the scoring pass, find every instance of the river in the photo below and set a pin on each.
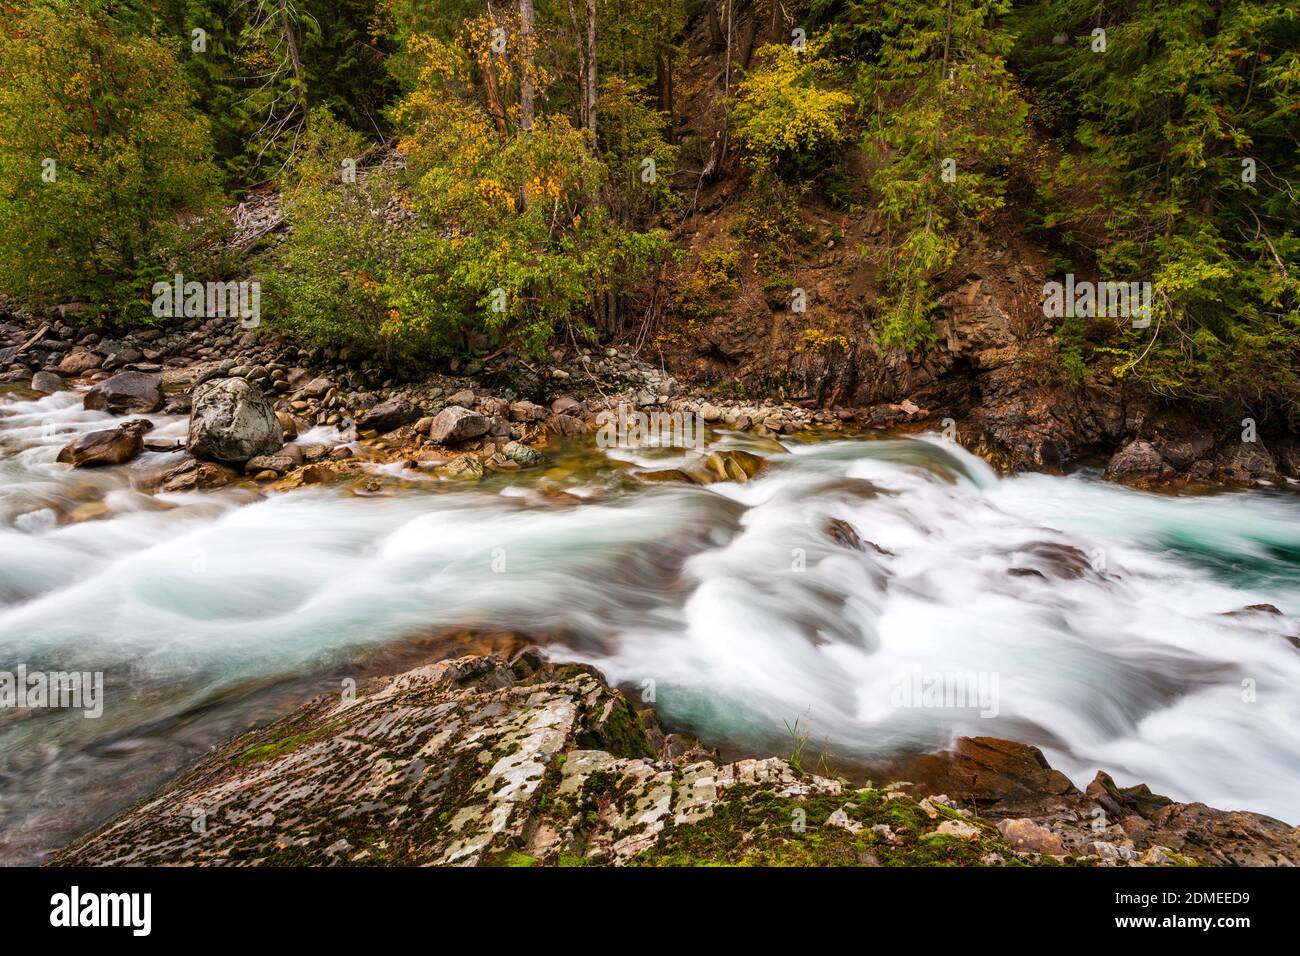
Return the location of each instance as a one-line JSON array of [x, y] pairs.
[[1105, 625]]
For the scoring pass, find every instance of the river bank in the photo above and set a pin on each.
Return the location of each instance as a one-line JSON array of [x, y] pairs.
[[480, 761], [781, 576]]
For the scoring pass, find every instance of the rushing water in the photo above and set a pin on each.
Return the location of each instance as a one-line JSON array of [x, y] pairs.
[[1105, 624]]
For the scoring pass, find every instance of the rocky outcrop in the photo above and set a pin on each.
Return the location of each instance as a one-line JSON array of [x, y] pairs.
[[477, 761], [126, 393], [231, 422], [111, 446], [1038, 809]]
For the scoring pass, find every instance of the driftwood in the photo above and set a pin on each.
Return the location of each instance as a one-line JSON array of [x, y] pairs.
[[11, 353]]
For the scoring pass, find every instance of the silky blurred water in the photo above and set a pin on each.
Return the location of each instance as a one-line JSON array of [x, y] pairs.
[[1108, 621]]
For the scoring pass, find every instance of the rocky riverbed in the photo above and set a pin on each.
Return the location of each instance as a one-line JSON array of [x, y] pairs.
[[519, 399]]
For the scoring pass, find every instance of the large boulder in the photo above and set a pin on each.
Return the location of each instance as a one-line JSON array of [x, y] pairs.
[[111, 446], [231, 421], [127, 393], [388, 415], [457, 424]]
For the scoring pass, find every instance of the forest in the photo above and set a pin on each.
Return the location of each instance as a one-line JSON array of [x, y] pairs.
[[464, 176]]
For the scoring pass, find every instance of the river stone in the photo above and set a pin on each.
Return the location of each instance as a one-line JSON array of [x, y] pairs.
[[48, 382], [1245, 461], [195, 475], [126, 393], [316, 388], [465, 467], [1137, 461], [279, 464], [78, 363], [232, 422], [1024, 834], [523, 455], [111, 446], [388, 415], [477, 761], [526, 411], [456, 424], [565, 404]]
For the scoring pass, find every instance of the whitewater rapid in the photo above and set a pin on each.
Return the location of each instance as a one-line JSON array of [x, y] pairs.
[[1108, 623]]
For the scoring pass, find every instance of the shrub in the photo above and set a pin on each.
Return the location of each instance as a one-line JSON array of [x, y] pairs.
[[106, 116], [789, 114], [330, 281]]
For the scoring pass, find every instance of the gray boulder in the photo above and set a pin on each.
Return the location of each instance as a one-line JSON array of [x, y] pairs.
[[127, 393], [388, 415], [232, 422], [456, 424], [48, 382]]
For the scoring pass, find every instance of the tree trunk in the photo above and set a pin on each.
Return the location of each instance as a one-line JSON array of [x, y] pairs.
[[747, 41], [526, 66], [295, 60], [581, 43], [591, 70], [714, 18], [664, 83]]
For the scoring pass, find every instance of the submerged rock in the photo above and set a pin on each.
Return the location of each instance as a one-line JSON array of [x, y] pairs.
[[525, 456], [232, 422], [467, 467], [734, 465], [111, 446], [195, 475]]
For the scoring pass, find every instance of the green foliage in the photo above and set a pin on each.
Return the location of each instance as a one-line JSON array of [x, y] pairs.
[[505, 237], [132, 177], [631, 133], [1159, 125], [716, 274], [1069, 337], [770, 220], [523, 243], [946, 121], [243, 77], [789, 113], [329, 282]]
